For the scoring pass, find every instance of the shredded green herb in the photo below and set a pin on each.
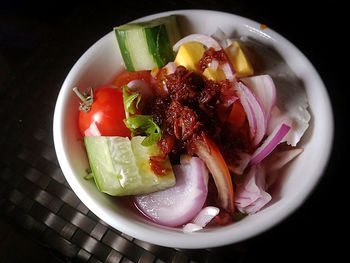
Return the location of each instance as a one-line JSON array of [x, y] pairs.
[[139, 124], [131, 101]]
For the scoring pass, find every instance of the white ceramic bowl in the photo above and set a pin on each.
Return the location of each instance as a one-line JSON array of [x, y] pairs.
[[100, 63]]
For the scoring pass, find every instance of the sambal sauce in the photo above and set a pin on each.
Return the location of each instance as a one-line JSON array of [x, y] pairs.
[[210, 55], [194, 106]]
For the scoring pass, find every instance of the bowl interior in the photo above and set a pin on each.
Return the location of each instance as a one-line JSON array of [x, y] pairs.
[[102, 62]]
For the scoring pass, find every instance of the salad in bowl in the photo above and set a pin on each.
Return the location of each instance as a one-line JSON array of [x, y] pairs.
[[191, 133]]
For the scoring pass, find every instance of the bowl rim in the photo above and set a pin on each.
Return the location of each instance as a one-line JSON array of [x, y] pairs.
[[203, 239]]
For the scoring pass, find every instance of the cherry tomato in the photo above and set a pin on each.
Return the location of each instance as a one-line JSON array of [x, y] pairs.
[[125, 77], [107, 111]]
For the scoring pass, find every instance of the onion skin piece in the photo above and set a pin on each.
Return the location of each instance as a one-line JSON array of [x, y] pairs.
[[210, 154]]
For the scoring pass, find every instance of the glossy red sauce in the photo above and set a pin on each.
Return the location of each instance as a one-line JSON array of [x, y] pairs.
[[194, 105], [210, 55]]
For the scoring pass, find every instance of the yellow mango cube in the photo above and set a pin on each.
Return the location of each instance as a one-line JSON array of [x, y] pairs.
[[215, 75], [239, 60], [189, 55]]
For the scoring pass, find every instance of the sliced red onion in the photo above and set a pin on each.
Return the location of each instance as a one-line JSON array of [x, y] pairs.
[[228, 101], [171, 67], [92, 130], [141, 86], [254, 111], [228, 70], [220, 36], [277, 160], [179, 204], [137, 84], [205, 40], [214, 64], [280, 157], [251, 193], [276, 118], [249, 112], [206, 215], [202, 219], [190, 227], [264, 89], [185, 159], [240, 164], [270, 143]]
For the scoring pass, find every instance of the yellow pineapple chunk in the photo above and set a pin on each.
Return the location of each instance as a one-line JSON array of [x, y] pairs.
[[189, 55], [215, 75], [239, 60]]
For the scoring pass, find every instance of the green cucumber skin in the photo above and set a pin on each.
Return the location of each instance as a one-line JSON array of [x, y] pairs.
[[158, 45], [121, 38], [160, 35]]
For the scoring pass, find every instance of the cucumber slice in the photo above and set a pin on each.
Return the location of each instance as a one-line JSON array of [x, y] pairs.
[[148, 44], [121, 167]]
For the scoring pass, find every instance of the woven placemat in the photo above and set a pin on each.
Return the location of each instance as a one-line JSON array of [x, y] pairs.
[[34, 195]]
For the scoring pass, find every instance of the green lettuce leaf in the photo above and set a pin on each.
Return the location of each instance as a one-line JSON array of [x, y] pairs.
[[131, 101], [139, 124], [144, 124]]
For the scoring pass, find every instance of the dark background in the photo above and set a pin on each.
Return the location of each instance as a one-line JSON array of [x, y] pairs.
[[39, 43]]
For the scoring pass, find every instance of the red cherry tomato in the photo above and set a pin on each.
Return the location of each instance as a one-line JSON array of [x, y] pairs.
[[125, 77], [107, 111]]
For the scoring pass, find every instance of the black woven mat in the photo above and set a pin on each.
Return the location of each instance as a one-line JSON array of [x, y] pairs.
[[36, 202]]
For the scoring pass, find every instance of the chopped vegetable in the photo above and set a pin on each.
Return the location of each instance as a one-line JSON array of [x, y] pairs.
[[251, 194], [214, 74], [122, 167], [239, 60], [280, 157], [104, 113], [92, 130], [270, 143], [264, 89], [255, 112], [139, 124], [216, 164], [202, 219], [146, 45], [131, 101], [144, 124], [179, 204], [189, 55]]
